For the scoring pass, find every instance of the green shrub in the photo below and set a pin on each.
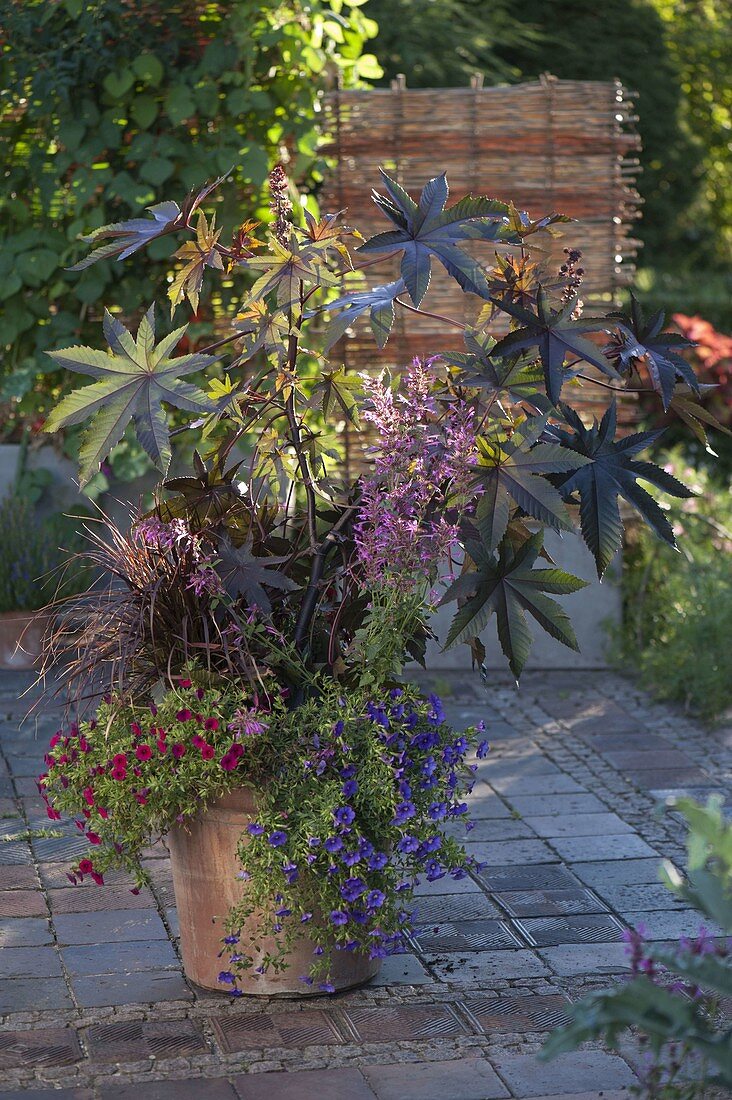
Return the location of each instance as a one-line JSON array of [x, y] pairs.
[[106, 102], [33, 554], [678, 606], [675, 998]]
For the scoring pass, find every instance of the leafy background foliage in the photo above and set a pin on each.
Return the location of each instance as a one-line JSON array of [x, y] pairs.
[[676, 55], [108, 102], [678, 606]]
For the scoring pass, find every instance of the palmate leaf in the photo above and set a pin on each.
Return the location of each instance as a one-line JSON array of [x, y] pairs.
[[340, 390], [506, 585], [196, 256], [133, 380], [286, 268], [426, 229], [611, 473], [638, 340], [246, 575], [515, 470], [128, 236], [377, 302], [555, 335], [263, 328], [520, 379], [695, 415]]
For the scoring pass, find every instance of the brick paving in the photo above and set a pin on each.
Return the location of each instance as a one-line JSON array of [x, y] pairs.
[[94, 1004]]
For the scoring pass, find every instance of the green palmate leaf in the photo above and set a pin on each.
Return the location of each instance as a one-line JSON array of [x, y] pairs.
[[695, 415], [426, 229], [133, 380], [338, 390], [519, 379], [555, 336], [515, 471], [377, 302], [639, 341], [285, 269], [506, 585], [611, 473], [264, 329], [196, 256]]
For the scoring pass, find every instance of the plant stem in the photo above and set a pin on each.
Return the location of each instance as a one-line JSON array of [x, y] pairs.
[[434, 316]]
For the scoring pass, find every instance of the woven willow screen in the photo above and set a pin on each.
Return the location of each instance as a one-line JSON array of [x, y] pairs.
[[548, 146]]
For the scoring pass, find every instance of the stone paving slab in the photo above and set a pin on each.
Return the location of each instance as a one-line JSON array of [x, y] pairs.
[[95, 1006]]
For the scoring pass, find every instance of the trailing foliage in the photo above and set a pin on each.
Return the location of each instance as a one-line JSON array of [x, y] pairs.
[[105, 102], [353, 799], [677, 613], [676, 997]]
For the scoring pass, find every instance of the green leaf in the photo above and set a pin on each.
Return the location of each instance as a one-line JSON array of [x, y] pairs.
[[340, 390], [133, 380], [144, 110], [638, 341], [157, 170], [378, 302], [149, 68], [555, 335], [427, 229], [611, 473], [119, 82], [128, 236], [515, 470], [506, 585], [179, 104]]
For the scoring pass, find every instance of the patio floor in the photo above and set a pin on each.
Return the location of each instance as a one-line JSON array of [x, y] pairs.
[[94, 1004]]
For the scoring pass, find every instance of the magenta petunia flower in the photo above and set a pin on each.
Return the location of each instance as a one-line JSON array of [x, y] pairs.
[[85, 866], [120, 760], [184, 682], [119, 774], [93, 838], [228, 762], [143, 752], [184, 715], [208, 752], [211, 724], [178, 750]]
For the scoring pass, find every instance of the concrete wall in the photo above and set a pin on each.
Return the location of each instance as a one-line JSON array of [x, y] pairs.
[[590, 610]]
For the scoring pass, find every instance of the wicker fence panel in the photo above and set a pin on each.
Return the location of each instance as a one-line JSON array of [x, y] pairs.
[[551, 145]]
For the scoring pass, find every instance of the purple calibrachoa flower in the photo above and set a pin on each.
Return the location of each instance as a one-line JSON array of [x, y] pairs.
[[277, 838], [349, 789], [344, 815], [404, 811]]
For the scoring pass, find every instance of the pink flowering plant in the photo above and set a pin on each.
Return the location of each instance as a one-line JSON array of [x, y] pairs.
[[294, 596]]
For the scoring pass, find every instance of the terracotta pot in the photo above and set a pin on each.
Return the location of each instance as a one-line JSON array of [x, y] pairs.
[[21, 638], [205, 864]]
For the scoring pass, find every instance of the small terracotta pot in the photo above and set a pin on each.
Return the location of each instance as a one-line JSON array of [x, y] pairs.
[[21, 638], [205, 864]]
